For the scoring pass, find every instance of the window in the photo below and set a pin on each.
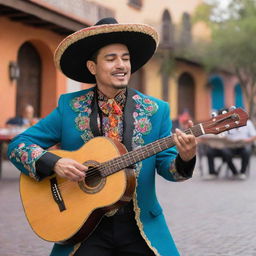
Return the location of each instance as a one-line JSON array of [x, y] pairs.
[[185, 36], [135, 3], [167, 30]]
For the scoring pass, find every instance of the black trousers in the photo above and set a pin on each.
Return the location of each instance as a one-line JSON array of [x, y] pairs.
[[227, 155], [115, 236]]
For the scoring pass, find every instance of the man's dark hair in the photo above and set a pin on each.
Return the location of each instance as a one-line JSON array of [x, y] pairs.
[[94, 56]]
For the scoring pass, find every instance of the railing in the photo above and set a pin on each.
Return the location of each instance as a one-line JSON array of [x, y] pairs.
[[81, 9]]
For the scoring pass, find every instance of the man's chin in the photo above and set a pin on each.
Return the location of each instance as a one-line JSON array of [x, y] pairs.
[[122, 86]]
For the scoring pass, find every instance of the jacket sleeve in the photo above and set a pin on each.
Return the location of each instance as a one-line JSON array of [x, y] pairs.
[[168, 163], [31, 145]]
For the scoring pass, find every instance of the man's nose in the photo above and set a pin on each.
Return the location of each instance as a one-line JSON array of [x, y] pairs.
[[120, 63]]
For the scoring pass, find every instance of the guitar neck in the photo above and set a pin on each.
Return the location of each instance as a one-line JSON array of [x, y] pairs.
[[144, 152]]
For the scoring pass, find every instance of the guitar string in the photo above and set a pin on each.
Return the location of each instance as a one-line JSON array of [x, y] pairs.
[[96, 170], [66, 185], [116, 163]]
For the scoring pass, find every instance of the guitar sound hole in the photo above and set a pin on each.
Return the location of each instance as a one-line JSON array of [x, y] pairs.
[[93, 179], [93, 182]]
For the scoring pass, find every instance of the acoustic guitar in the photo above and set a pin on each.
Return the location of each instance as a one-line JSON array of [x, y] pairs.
[[63, 211]]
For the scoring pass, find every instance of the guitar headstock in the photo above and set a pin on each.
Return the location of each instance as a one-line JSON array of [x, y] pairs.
[[224, 122]]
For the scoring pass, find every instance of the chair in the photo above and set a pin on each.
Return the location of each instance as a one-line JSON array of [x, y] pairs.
[[238, 157], [202, 151]]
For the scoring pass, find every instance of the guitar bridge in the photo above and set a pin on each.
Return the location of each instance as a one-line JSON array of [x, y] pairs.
[[57, 195]]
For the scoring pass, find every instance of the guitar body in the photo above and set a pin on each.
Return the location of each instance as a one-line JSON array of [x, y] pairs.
[[63, 211]]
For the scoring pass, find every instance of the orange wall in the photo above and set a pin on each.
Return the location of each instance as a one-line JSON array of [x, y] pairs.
[[12, 36]]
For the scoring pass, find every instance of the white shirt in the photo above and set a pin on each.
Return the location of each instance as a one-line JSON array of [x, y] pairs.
[[241, 133]]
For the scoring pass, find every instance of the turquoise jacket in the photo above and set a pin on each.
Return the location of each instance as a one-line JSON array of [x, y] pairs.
[[146, 119]]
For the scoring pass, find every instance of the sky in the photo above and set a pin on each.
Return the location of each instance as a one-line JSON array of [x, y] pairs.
[[222, 3], [221, 11]]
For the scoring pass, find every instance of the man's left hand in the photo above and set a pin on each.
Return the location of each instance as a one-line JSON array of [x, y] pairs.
[[185, 143]]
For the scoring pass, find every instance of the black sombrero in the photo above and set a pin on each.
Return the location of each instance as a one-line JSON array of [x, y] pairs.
[[73, 52]]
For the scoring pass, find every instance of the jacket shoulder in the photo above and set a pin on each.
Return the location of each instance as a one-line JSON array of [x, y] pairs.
[[72, 95], [159, 102]]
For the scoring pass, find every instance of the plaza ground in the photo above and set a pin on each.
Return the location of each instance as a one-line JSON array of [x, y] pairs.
[[206, 217]]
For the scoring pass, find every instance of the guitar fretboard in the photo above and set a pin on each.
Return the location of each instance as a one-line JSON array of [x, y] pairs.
[[139, 154]]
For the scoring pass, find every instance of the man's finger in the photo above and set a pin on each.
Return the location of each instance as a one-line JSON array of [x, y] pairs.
[[80, 167]]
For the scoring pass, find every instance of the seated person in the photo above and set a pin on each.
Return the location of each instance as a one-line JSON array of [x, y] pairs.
[[245, 135], [215, 146], [226, 155], [240, 144], [26, 120]]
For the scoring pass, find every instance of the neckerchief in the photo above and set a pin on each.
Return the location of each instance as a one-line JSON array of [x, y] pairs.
[[112, 114]]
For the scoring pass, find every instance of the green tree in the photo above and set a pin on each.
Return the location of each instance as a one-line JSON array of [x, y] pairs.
[[233, 44]]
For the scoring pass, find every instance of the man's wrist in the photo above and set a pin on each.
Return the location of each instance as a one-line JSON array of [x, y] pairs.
[[185, 168], [45, 164]]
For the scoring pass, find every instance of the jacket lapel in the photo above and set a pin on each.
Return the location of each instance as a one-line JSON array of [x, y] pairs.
[[94, 116], [129, 109]]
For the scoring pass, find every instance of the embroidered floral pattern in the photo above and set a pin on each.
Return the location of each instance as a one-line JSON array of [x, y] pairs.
[[82, 105], [142, 125], [112, 124], [112, 121], [116, 130], [82, 122], [27, 156], [144, 109]]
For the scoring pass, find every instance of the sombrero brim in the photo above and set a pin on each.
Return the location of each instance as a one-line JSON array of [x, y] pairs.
[[73, 52]]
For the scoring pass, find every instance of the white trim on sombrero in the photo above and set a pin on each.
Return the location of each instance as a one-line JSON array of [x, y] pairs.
[[102, 29]]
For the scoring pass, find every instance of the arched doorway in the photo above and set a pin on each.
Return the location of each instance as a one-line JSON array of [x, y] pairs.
[[186, 94], [217, 93], [29, 83]]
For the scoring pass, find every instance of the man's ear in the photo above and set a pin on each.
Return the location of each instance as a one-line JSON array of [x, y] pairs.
[[91, 65]]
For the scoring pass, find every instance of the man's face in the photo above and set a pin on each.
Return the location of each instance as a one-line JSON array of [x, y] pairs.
[[112, 69], [28, 112]]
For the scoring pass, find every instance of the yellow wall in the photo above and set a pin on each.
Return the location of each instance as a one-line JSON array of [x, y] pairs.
[[151, 13], [14, 34]]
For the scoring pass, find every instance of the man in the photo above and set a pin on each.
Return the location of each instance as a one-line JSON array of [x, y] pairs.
[[106, 54], [244, 138], [26, 120], [237, 142]]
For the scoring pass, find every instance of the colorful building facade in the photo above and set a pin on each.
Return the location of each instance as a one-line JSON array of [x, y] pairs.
[[31, 30]]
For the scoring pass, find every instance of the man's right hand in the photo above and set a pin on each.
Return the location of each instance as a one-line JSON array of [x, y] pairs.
[[70, 169]]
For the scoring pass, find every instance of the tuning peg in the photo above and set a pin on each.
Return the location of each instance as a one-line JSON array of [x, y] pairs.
[[214, 114], [232, 108], [224, 112]]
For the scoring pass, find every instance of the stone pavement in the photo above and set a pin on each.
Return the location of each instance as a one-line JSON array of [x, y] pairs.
[[206, 217]]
